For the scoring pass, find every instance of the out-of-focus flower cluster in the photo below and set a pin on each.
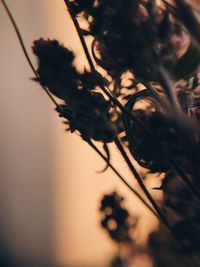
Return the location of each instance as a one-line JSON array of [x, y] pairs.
[[116, 219]]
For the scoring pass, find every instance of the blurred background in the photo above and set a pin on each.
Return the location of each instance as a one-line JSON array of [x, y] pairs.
[[49, 189]]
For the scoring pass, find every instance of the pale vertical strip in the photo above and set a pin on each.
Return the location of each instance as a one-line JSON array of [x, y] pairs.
[[26, 144]]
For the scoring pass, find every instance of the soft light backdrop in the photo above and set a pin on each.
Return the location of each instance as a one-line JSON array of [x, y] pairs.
[[49, 193]]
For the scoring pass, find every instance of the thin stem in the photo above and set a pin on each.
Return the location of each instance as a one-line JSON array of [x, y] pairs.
[[122, 179], [109, 94], [188, 19], [168, 157], [76, 24], [46, 90], [166, 83], [143, 187], [83, 43], [159, 98], [170, 7], [154, 204], [24, 49]]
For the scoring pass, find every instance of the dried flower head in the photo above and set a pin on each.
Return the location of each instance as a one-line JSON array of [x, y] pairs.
[[86, 110]]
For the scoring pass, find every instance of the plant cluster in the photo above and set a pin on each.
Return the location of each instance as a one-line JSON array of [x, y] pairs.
[[141, 92]]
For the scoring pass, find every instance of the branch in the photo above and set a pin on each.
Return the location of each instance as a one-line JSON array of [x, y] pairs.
[[25, 50], [122, 179]]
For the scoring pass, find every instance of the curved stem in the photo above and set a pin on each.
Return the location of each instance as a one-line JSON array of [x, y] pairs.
[[143, 187], [183, 12], [168, 157], [188, 19], [161, 215], [122, 179], [83, 43], [160, 99], [109, 94], [24, 49]]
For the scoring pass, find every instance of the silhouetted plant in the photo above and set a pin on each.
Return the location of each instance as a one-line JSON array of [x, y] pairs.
[[147, 103]]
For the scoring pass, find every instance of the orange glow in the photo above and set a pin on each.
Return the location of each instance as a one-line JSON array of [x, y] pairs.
[[53, 196]]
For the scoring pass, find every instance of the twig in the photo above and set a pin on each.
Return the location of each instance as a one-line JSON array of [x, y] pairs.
[[25, 50], [57, 105], [122, 179], [187, 17], [143, 187], [166, 83], [80, 36], [170, 159]]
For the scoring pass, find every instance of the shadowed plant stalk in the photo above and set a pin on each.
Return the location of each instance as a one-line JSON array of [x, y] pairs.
[[59, 108], [138, 44], [170, 93]]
